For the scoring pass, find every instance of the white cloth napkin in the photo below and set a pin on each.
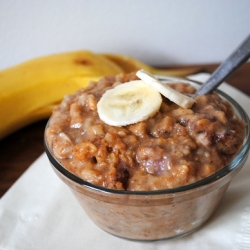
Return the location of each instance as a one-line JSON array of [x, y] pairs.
[[39, 212]]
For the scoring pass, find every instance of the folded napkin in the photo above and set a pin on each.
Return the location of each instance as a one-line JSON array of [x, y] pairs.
[[39, 212]]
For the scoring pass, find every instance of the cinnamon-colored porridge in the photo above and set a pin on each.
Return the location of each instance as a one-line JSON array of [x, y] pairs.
[[175, 147]]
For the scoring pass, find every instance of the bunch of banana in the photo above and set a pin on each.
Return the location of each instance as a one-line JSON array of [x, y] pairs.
[[29, 91]]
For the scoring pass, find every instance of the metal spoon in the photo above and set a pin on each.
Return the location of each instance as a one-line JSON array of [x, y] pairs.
[[233, 62]]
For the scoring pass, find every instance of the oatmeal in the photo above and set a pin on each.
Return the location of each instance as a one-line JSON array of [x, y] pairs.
[[175, 147]]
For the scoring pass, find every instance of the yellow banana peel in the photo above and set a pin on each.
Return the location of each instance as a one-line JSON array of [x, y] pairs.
[[32, 117], [42, 81], [129, 64], [29, 91]]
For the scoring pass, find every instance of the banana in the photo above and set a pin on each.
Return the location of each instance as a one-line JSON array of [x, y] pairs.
[[29, 90], [43, 81], [173, 95], [130, 64], [128, 103], [34, 116]]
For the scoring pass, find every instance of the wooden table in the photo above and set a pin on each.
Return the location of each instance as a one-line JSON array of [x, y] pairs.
[[23, 147]]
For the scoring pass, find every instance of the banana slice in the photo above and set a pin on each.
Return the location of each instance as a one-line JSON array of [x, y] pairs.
[[173, 95], [129, 103]]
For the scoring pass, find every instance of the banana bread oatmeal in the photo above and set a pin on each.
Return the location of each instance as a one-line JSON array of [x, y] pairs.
[[175, 147]]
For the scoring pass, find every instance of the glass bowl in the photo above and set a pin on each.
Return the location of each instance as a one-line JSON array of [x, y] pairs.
[[158, 214]]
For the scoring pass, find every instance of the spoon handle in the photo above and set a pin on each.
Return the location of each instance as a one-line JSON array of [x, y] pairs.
[[234, 61]]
